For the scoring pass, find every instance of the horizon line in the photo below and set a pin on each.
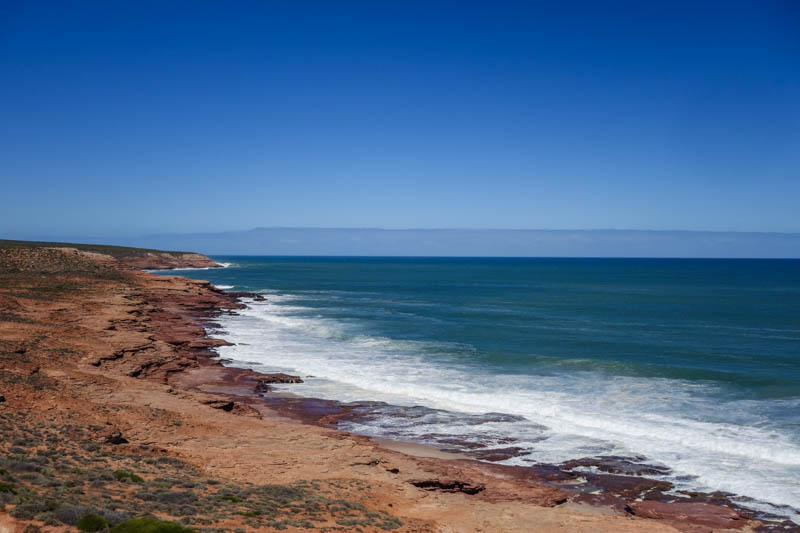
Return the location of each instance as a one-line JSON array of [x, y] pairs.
[[377, 228], [644, 258]]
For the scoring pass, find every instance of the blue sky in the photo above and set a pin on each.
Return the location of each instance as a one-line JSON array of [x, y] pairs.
[[127, 118]]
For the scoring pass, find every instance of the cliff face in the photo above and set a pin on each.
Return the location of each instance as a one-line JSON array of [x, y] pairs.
[[167, 260]]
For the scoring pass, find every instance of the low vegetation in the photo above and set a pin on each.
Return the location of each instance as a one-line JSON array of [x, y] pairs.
[[113, 251], [53, 475]]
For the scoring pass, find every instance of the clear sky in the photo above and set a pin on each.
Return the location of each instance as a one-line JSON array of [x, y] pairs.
[[126, 118]]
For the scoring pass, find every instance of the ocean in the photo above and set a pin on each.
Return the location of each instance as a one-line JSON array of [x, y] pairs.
[[690, 364]]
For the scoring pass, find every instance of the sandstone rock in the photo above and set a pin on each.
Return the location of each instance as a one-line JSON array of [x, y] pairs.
[[633, 466], [225, 405], [627, 486], [280, 378], [167, 260], [494, 455], [703, 514], [264, 380]]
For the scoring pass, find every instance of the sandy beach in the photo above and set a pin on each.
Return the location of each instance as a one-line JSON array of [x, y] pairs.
[[105, 368]]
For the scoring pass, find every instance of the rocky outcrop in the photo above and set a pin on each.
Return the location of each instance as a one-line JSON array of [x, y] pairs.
[[449, 485], [167, 261], [701, 514], [115, 437], [263, 381], [636, 466]]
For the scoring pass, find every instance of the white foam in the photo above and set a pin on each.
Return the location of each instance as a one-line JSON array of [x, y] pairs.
[[178, 269], [224, 287], [668, 421], [219, 265]]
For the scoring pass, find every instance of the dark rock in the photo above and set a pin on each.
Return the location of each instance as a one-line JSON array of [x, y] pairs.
[[630, 466], [498, 454], [263, 381], [116, 438], [703, 514], [280, 378], [2, 398], [627, 486], [449, 485], [603, 499], [225, 405]]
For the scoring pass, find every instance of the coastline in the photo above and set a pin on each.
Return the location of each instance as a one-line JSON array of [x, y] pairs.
[[148, 345]]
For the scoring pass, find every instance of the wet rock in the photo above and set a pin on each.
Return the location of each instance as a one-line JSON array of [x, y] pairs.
[[717, 497], [702, 514], [627, 486], [263, 381], [258, 297], [603, 499], [784, 526], [498, 454], [630, 466], [280, 378]]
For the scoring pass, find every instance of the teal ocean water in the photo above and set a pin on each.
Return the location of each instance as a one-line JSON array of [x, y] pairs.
[[692, 364]]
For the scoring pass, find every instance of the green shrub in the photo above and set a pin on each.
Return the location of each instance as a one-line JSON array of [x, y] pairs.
[[5, 487], [92, 522], [122, 475], [150, 525]]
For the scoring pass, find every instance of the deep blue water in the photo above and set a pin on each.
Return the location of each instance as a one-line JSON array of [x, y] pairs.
[[692, 363]]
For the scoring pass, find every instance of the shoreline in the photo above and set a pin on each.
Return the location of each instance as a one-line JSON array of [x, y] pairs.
[[137, 359], [617, 485]]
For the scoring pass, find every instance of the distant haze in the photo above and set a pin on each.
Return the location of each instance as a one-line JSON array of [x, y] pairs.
[[492, 242]]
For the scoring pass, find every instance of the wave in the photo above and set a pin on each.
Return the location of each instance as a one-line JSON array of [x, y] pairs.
[[184, 269], [178, 269], [709, 444]]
